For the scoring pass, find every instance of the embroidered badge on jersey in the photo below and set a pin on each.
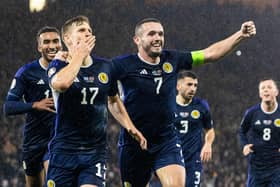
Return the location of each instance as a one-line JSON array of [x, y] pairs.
[[167, 67], [50, 183], [127, 184], [277, 122], [195, 114], [51, 71], [103, 78]]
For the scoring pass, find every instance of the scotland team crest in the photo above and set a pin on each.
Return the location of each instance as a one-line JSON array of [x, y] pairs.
[[103, 78], [50, 183], [277, 122], [167, 67], [195, 114]]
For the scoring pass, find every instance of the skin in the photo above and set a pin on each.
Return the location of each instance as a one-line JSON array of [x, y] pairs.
[[49, 43], [80, 41], [268, 93], [187, 88]]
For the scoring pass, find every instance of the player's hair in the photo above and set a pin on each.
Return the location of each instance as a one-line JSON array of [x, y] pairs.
[[140, 23], [269, 78], [78, 20], [46, 29], [184, 73]]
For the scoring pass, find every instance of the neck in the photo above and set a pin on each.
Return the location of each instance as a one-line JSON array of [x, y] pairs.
[[44, 62], [269, 106], [182, 101], [145, 57]]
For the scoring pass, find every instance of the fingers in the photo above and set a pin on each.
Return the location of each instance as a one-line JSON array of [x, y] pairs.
[[248, 29], [138, 137], [247, 149], [206, 156], [61, 55]]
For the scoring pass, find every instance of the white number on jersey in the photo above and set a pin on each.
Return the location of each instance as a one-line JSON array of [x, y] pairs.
[[266, 134], [197, 178], [47, 93], [101, 170], [158, 81], [185, 125], [92, 91]]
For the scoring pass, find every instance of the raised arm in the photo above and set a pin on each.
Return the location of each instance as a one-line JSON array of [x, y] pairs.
[[119, 112], [220, 49], [79, 53]]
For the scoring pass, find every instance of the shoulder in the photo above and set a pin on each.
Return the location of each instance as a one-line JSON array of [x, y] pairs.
[[124, 58], [98, 59], [201, 102], [251, 110], [30, 66]]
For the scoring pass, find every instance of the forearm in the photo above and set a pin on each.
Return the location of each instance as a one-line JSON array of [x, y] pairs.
[[66, 76], [119, 112], [220, 49], [16, 107], [209, 137]]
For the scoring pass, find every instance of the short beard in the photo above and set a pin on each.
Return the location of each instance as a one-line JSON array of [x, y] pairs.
[[154, 54]]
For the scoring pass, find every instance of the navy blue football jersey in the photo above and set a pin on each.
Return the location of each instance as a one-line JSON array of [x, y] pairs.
[[149, 93], [263, 131], [82, 109], [30, 84], [190, 120]]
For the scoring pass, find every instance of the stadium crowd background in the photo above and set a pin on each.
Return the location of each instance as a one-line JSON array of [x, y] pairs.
[[230, 86]]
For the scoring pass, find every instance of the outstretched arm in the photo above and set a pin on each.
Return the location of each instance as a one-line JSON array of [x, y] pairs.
[[206, 152], [119, 112], [220, 49]]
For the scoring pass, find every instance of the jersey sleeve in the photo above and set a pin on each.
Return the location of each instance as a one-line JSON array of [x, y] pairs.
[[244, 128], [207, 119], [14, 103], [114, 85], [54, 67]]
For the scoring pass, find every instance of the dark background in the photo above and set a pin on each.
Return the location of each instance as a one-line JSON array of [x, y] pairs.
[[230, 86]]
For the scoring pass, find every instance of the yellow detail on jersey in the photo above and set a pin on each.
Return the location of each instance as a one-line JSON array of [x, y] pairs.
[[50, 183], [103, 78], [127, 184], [197, 57], [195, 114], [277, 122], [167, 67]]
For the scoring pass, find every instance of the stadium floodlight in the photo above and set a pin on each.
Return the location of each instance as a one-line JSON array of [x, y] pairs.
[[37, 5]]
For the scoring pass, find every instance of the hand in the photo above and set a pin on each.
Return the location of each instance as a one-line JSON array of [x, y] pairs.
[[206, 153], [61, 55], [46, 104], [247, 149], [137, 135], [248, 29], [83, 47]]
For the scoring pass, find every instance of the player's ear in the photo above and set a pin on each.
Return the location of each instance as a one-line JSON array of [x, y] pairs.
[[136, 40], [39, 47]]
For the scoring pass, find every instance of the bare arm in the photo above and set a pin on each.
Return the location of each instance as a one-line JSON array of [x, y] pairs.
[[220, 49], [79, 53], [119, 112], [206, 152]]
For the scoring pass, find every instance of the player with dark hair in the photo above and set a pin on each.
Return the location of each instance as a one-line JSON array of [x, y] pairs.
[[259, 137], [30, 93], [192, 116], [148, 81], [82, 87]]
